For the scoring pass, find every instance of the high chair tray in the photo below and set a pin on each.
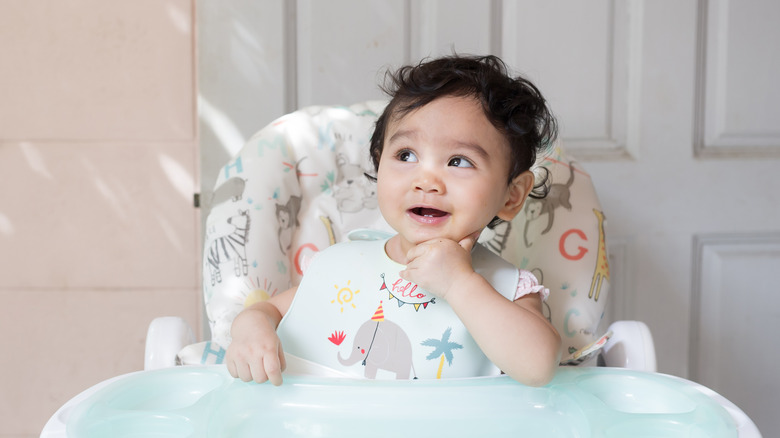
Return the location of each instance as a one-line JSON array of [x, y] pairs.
[[579, 402]]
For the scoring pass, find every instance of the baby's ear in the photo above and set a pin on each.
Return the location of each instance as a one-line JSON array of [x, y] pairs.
[[518, 191]]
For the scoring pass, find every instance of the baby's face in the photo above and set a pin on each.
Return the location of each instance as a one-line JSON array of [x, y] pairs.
[[443, 172]]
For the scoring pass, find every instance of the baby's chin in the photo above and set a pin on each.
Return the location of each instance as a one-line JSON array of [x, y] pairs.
[[420, 239]]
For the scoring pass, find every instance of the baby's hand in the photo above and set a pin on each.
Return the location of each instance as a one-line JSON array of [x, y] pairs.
[[439, 264], [255, 352]]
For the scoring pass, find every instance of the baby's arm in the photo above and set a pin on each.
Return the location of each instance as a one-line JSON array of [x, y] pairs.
[[514, 335], [255, 352]]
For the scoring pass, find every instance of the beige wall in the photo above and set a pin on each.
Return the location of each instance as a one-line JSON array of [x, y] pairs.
[[98, 164]]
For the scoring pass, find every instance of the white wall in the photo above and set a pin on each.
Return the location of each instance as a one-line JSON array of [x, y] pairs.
[[98, 165]]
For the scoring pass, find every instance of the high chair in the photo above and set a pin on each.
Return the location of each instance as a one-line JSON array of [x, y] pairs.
[[298, 186]]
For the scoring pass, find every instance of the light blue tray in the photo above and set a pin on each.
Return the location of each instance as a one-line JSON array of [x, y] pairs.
[[579, 402]]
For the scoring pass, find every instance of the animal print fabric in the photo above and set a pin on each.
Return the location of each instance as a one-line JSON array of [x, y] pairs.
[[298, 186]]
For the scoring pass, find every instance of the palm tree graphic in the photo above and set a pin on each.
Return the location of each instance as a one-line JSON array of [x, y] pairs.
[[441, 348]]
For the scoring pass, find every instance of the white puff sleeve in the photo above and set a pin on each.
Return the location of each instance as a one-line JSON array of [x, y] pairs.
[[528, 284]]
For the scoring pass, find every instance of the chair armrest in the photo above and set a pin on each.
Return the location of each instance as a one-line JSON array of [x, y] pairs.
[[631, 346], [165, 338]]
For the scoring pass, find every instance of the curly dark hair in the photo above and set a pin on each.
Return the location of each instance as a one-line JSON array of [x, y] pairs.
[[513, 105]]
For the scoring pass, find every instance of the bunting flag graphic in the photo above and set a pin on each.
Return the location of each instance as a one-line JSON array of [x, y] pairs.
[[391, 296], [415, 305]]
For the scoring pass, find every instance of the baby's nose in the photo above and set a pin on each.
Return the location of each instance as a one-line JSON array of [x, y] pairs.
[[429, 182]]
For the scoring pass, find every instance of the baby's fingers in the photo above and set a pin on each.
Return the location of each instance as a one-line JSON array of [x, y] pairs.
[[282, 359], [416, 252], [231, 367], [243, 371], [468, 242], [274, 365], [258, 373]]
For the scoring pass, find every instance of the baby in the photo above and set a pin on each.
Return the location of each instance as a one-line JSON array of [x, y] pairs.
[[452, 152]]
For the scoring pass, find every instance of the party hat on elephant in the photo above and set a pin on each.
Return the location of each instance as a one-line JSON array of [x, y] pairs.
[[379, 315]]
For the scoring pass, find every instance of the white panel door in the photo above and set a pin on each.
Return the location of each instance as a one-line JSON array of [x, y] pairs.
[[343, 46], [672, 106]]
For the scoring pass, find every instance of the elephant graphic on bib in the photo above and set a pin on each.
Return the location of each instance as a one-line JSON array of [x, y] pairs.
[[381, 344]]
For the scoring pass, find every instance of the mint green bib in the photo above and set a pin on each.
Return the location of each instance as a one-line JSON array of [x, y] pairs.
[[353, 313]]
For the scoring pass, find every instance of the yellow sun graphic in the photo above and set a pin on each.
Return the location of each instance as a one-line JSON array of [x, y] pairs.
[[255, 296], [257, 292], [345, 295]]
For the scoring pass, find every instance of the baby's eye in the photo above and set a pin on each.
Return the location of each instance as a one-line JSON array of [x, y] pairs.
[[460, 162], [407, 155]]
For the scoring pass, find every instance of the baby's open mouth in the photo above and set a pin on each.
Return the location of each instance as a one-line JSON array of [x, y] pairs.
[[428, 212]]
